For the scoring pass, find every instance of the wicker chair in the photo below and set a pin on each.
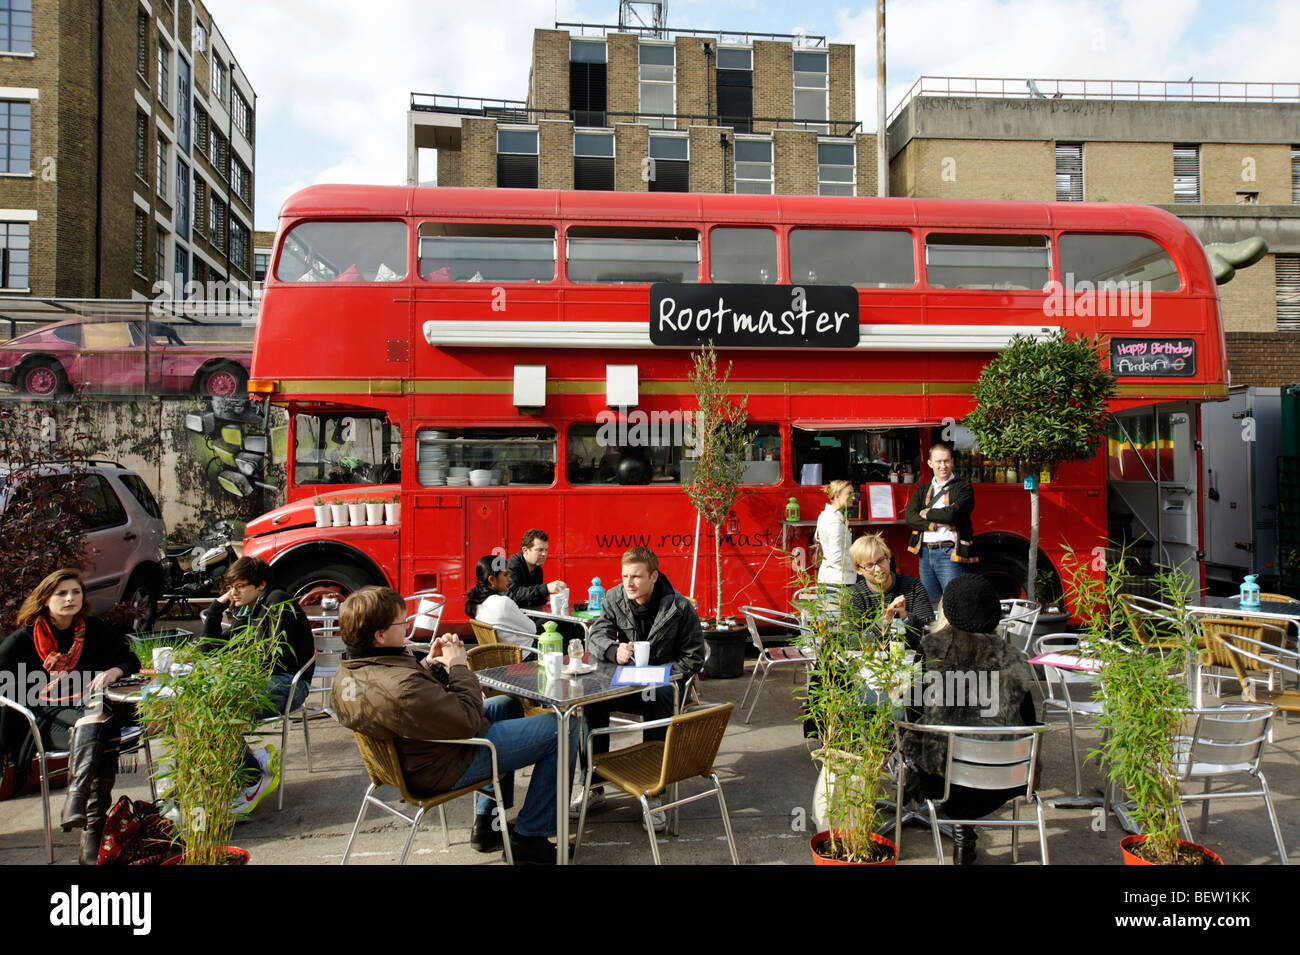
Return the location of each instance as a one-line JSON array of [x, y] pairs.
[[500, 655], [1241, 651], [484, 633], [648, 768], [384, 768], [1214, 654]]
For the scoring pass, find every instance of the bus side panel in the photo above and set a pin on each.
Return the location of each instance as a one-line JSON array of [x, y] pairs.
[[433, 548]]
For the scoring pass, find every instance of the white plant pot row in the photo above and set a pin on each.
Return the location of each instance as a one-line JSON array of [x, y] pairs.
[[367, 514]]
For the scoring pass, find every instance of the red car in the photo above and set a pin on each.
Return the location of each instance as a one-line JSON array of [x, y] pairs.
[[116, 357]]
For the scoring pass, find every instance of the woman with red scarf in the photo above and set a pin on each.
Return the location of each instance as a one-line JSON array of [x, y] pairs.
[[59, 661]]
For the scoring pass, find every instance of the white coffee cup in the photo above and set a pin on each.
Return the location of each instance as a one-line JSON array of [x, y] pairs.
[[641, 652], [560, 602], [162, 660], [553, 665]]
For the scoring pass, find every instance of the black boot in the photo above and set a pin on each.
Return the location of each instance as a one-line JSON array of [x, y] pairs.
[[963, 845], [98, 805], [86, 748]]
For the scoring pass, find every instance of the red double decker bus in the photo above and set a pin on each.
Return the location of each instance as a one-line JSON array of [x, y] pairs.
[[498, 360]]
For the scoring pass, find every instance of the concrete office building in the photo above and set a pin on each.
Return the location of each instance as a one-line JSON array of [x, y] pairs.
[[126, 150], [650, 109], [1223, 157]]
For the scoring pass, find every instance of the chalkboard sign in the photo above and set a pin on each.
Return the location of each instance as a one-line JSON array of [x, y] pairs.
[[1153, 357], [754, 316]]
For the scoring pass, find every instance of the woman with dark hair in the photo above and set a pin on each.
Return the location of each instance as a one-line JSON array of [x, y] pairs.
[[488, 602], [66, 658]]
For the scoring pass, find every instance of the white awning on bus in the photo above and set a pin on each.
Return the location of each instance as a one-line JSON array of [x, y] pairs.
[[878, 424]]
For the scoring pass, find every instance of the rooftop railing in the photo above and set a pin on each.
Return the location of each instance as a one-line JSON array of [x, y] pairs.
[[725, 37], [1198, 91]]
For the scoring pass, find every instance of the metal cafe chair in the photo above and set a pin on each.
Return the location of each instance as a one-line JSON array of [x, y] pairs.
[[771, 657], [1213, 655], [1226, 741], [413, 607], [487, 656], [487, 634], [284, 718], [648, 768], [384, 769], [1271, 659], [1065, 692], [1019, 617], [132, 738], [985, 757]]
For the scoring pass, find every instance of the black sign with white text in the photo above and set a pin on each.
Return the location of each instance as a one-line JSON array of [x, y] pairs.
[[1153, 357], [754, 316]]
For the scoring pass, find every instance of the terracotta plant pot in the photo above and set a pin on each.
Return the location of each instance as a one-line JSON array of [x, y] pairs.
[[1131, 859], [234, 856], [824, 836]]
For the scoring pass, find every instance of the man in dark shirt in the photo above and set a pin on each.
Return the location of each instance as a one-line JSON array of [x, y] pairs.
[[526, 584]]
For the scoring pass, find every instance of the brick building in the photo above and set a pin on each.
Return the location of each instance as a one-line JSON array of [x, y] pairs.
[[126, 150], [1223, 157], [652, 109]]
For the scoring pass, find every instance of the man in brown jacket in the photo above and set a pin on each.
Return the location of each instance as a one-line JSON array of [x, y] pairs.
[[385, 692]]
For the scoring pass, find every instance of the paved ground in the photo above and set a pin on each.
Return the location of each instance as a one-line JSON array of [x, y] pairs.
[[768, 780]]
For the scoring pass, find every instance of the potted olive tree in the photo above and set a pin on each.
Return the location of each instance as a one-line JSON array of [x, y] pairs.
[[200, 716], [856, 734], [721, 435], [1145, 704]]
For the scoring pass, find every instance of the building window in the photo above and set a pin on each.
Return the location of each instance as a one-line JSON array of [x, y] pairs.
[[162, 168], [1288, 292], [216, 220], [220, 155], [658, 84], [238, 245], [517, 158], [736, 88], [164, 75], [1295, 175], [1069, 172], [669, 163], [199, 209], [202, 142], [182, 199], [241, 114], [200, 37], [182, 270], [15, 137], [261, 262], [160, 256], [140, 223], [587, 90], [239, 181], [754, 166], [141, 146], [183, 128], [593, 160], [810, 90], [218, 84], [836, 169], [15, 240], [15, 26], [1187, 174], [142, 46]]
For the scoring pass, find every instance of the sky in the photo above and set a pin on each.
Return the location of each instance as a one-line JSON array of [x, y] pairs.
[[333, 78]]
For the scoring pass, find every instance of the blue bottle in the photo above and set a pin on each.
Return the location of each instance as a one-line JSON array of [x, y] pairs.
[[1250, 593], [595, 594]]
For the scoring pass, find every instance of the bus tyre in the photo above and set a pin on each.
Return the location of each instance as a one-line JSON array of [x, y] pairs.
[[309, 583], [1005, 570]]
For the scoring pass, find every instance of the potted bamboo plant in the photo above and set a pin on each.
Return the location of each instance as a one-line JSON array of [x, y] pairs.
[[1145, 704], [856, 736], [199, 716]]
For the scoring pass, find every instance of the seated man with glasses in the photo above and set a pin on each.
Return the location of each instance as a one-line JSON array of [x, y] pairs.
[[253, 600], [385, 692], [901, 597]]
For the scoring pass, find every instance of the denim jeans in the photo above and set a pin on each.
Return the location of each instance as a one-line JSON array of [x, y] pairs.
[[937, 569], [520, 742], [277, 693]]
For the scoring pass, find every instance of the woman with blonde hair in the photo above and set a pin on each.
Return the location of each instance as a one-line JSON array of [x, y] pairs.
[[72, 657], [880, 595], [833, 536]]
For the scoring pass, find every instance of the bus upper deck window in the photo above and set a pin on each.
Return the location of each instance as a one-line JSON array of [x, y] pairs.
[[486, 252], [343, 252], [867, 259], [617, 254], [990, 261], [1117, 260], [743, 256]]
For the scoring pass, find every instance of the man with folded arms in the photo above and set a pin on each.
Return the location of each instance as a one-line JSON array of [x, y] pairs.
[[386, 692]]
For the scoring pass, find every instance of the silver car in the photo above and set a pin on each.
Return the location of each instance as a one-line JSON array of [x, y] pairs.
[[125, 535]]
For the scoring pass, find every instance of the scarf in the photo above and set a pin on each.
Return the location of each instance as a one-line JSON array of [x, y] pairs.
[[47, 648]]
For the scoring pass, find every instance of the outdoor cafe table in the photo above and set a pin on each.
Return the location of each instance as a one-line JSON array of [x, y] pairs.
[[563, 696], [1285, 613]]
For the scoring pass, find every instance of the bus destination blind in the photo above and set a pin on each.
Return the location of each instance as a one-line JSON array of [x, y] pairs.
[[754, 316]]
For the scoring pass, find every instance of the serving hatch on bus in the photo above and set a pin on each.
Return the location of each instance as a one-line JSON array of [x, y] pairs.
[[754, 316]]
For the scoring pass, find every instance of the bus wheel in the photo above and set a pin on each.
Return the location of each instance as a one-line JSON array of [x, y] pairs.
[[1005, 570], [309, 583]]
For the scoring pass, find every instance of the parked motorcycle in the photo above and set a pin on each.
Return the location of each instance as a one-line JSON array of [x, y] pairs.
[[194, 572]]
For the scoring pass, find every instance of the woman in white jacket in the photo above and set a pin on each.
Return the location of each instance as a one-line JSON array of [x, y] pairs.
[[833, 537], [488, 602]]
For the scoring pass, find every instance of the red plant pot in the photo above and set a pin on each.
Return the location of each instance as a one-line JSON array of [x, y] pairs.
[[1131, 859], [234, 856], [824, 836]]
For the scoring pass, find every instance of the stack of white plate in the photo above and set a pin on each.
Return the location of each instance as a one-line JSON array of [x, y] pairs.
[[433, 463], [458, 477]]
